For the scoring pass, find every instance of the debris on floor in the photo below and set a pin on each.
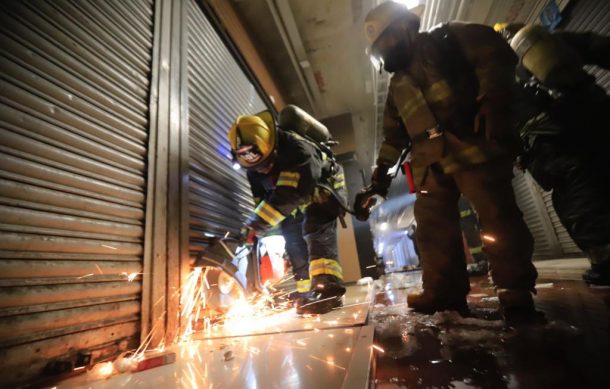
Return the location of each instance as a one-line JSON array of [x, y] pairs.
[[448, 350]]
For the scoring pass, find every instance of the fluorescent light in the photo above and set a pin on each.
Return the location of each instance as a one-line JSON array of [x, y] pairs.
[[384, 226], [236, 166]]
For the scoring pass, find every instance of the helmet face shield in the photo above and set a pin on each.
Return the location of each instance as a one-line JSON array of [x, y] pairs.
[[253, 140], [385, 26], [248, 155]]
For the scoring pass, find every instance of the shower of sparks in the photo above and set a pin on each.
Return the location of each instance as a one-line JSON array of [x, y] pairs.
[[378, 348], [489, 238], [103, 370], [85, 276], [207, 313], [329, 361], [242, 315], [130, 276]]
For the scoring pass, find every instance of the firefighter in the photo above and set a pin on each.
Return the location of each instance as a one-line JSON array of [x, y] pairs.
[[565, 132], [449, 99], [284, 170]]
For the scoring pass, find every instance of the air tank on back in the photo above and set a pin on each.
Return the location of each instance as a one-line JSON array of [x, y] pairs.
[[293, 118]]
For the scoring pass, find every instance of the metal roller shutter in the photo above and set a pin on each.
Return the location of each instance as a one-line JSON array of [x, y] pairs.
[[219, 91], [74, 91], [592, 15], [566, 243], [537, 219]]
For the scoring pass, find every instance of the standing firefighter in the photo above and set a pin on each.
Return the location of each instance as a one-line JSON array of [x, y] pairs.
[[567, 136], [450, 97], [285, 169]]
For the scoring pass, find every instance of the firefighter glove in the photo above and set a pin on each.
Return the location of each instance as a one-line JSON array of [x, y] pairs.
[[364, 201], [380, 182]]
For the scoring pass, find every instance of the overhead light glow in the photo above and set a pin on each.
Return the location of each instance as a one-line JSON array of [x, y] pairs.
[[236, 166], [384, 226], [408, 3]]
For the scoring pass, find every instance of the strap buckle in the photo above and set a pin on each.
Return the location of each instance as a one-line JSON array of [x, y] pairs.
[[434, 132]]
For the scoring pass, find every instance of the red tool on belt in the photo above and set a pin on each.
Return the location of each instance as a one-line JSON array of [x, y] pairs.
[[408, 172]]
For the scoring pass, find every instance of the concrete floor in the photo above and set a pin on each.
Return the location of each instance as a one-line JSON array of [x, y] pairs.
[[571, 351]]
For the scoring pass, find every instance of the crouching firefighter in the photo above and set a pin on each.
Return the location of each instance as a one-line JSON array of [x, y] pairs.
[[565, 130], [450, 98], [297, 185]]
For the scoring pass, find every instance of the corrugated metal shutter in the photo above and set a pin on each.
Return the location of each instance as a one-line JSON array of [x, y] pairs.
[[535, 215], [219, 91], [74, 90], [592, 15], [566, 243]]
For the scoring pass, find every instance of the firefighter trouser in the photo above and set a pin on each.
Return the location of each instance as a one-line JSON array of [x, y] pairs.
[[580, 196], [296, 248], [320, 231], [488, 188]]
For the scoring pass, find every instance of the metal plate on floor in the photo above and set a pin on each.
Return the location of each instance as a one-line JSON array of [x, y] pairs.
[[330, 358], [354, 312]]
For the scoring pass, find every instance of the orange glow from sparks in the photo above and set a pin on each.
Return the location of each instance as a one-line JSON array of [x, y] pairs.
[[489, 238], [378, 348], [104, 369], [348, 349], [131, 276]]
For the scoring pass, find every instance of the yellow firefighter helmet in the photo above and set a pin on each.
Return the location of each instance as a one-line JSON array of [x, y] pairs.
[[253, 140], [385, 14]]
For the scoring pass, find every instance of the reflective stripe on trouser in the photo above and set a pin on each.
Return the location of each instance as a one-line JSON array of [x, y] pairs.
[[488, 187], [296, 247], [325, 266], [303, 286], [476, 250]]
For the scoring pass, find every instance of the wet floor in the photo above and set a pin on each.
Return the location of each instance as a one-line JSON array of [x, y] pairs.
[[571, 350]]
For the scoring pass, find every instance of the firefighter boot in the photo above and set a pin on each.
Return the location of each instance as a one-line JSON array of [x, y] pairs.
[[325, 295], [517, 307], [429, 302], [597, 275]]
